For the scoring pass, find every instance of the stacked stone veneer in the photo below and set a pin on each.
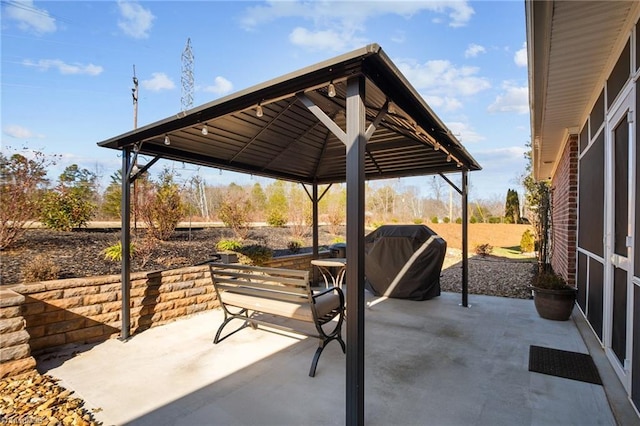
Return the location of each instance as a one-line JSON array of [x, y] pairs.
[[15, 352], [43, 316]]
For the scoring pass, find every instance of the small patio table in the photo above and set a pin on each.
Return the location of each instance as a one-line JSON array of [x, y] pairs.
[[325, 267]]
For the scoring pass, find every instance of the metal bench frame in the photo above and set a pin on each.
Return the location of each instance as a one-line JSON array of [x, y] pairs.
[[275, 286]]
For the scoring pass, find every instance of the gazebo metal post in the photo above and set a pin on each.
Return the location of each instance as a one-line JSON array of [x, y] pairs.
[[316, 236], [355, 155], [125, 241], [465, 241]]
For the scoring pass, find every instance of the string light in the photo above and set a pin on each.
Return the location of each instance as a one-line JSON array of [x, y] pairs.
[[449, 158], [205, 131], [259, 112], [332, 90], [167, 141], [436, 146]]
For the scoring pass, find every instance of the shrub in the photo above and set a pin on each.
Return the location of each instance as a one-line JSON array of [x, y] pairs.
[[294, 246], [229, 245], [446, 219], [434, 219], [459, 220], [235, 211], [64, 210], [338, 240], [40, 269], [473, 219], [254, 254], [549, 280], [114, 252], [417, 221], [376, 225], [483, 249], [276, 219], [527, 242]]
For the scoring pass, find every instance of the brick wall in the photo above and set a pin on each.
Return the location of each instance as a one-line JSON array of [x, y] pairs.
[[565, 212], [42, 316]]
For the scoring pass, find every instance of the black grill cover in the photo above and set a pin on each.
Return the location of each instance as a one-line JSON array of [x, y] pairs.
[[404, 261]]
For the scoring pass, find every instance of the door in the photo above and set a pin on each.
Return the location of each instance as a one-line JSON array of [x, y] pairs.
[[619, 292]]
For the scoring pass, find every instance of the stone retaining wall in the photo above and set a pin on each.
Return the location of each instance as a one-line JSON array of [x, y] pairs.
[[15, 352], [43, 316]]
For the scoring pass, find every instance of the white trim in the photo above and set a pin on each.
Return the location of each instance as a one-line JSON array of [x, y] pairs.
[[622, 110]]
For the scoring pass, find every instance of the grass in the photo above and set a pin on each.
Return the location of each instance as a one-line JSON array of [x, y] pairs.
[[513, 253]]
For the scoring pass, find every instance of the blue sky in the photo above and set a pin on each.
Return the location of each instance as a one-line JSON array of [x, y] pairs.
[[67, 68]]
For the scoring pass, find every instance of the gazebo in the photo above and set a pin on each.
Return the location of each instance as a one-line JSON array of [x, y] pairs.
[[345, 120]]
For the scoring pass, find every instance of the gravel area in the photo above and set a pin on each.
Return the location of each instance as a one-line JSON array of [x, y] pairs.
[[489, 275]]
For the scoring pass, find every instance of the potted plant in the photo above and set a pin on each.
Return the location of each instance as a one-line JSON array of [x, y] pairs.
[[552, 296]]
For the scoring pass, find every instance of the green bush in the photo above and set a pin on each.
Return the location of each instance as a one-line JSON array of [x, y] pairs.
[[473, 219], [434, 219], [229, 245], [527, 242], [254, 254], [65, 210], [417, 221], [459, 220], [276, 219], [338, 240], [446, 219]]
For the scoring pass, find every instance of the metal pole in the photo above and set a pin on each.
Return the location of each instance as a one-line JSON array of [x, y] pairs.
[[465, 242], [125, 241], [356, 143], [316, 233]]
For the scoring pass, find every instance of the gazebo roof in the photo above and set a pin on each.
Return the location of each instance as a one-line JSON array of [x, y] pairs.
[[295, 137]]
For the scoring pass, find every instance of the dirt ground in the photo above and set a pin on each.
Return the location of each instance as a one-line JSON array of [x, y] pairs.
[[81, 253]]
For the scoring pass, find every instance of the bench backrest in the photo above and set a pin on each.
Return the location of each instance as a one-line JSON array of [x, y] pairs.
[[272, 283]]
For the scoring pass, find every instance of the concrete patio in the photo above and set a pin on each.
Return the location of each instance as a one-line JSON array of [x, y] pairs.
[[427, 363]]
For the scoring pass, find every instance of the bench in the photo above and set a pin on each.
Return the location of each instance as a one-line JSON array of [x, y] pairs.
[[248, 293]]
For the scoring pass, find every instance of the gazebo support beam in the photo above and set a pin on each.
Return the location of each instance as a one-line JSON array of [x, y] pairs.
[[355, 146], [125, 242]]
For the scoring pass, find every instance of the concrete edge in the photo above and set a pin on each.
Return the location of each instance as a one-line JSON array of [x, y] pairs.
[[617, 396]]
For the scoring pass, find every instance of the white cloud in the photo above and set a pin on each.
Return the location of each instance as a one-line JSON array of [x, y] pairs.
[[135, 20], [446, 103], [324, 40], [346, 19], [513, 99], [19, 132], [464, 132], [520, 58], [158, 81], [220, 86], [29, 17], [63, 67], [442, 78], [474, 50]]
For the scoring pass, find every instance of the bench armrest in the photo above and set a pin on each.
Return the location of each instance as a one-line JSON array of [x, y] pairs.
[[330, 290]]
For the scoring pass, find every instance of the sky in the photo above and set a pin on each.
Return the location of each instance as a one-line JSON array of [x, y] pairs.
[[67, 70]]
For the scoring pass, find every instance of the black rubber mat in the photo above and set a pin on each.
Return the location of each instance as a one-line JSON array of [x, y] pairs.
[[570, 365]]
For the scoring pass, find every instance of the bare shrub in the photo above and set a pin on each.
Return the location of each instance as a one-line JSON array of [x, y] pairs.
[[40, 268], [21, 181]]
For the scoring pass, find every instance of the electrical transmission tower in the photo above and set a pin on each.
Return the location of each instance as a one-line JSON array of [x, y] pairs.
[[187, 77]]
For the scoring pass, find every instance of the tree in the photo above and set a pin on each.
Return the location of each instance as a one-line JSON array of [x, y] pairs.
[[277, 204], [21, 182], [299, 211], [538, 202], [113, 196], [258, 201], [72, 203], [159, 204], [235, 210], [512, 207]]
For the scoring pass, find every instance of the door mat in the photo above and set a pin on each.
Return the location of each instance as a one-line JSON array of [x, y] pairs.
[[570, 365]]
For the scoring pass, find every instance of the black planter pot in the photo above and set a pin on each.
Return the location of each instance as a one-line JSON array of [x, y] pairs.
[[555, 305]]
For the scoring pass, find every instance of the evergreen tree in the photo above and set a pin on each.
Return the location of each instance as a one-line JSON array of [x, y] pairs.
[[512, 207]]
